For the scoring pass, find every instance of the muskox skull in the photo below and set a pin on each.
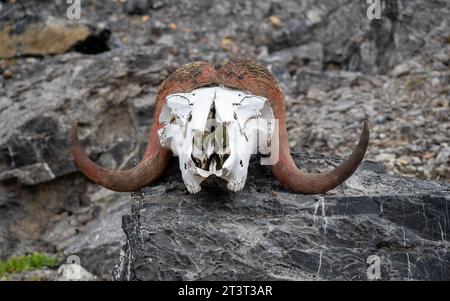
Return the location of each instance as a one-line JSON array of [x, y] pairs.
[[199, 128], [214, 131]]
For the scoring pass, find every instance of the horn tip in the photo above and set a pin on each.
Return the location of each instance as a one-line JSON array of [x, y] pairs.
[[365, 132], [366, 124]]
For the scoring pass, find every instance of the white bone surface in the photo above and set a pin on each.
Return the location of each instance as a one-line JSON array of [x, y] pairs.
[[214, 131]]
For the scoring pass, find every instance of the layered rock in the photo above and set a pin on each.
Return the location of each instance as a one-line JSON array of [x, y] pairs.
[[267, 233]]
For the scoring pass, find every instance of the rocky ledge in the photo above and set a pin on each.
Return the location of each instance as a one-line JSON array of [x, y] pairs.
[[267, 233]]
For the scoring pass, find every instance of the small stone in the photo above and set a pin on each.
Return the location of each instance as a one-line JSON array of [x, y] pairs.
[[73, 272], [316, 94], [314, 16], [275, 21], [386, 158], [410, 169], [383, 119], [435, 82], [427, 155], [136, 7], [406, 68], [400, 70], [226, 43], [342, 105], [443, 56], [158, 4], [403, 160], [7, 74], [416, 160], [443, 156]]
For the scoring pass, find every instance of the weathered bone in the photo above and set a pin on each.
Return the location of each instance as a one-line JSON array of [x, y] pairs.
[[238, 138], [214, 131]]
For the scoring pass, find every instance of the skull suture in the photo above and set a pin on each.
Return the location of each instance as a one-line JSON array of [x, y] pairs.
[[214, 131]]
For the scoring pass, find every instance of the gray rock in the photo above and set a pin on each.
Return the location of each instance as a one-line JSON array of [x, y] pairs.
[[444, 55], [140, 7], [297, 56], [29, 175], [444, 155], [343, 104], [73, 272], [267, 233], [95, 239], [406, 68], [110, 94], [316, 94], [34, 141], [307, 79], [400, 70]]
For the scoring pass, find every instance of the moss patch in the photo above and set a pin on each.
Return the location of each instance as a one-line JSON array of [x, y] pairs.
[[30, 262]]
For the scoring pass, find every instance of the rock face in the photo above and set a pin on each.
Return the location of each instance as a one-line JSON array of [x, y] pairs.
[[59, 210], [267, 233]]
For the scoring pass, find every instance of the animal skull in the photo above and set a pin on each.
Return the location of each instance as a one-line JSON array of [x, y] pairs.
[[214, 131]]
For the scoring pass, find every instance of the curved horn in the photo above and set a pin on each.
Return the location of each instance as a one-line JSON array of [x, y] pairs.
[[250, 76], [155, 159]]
